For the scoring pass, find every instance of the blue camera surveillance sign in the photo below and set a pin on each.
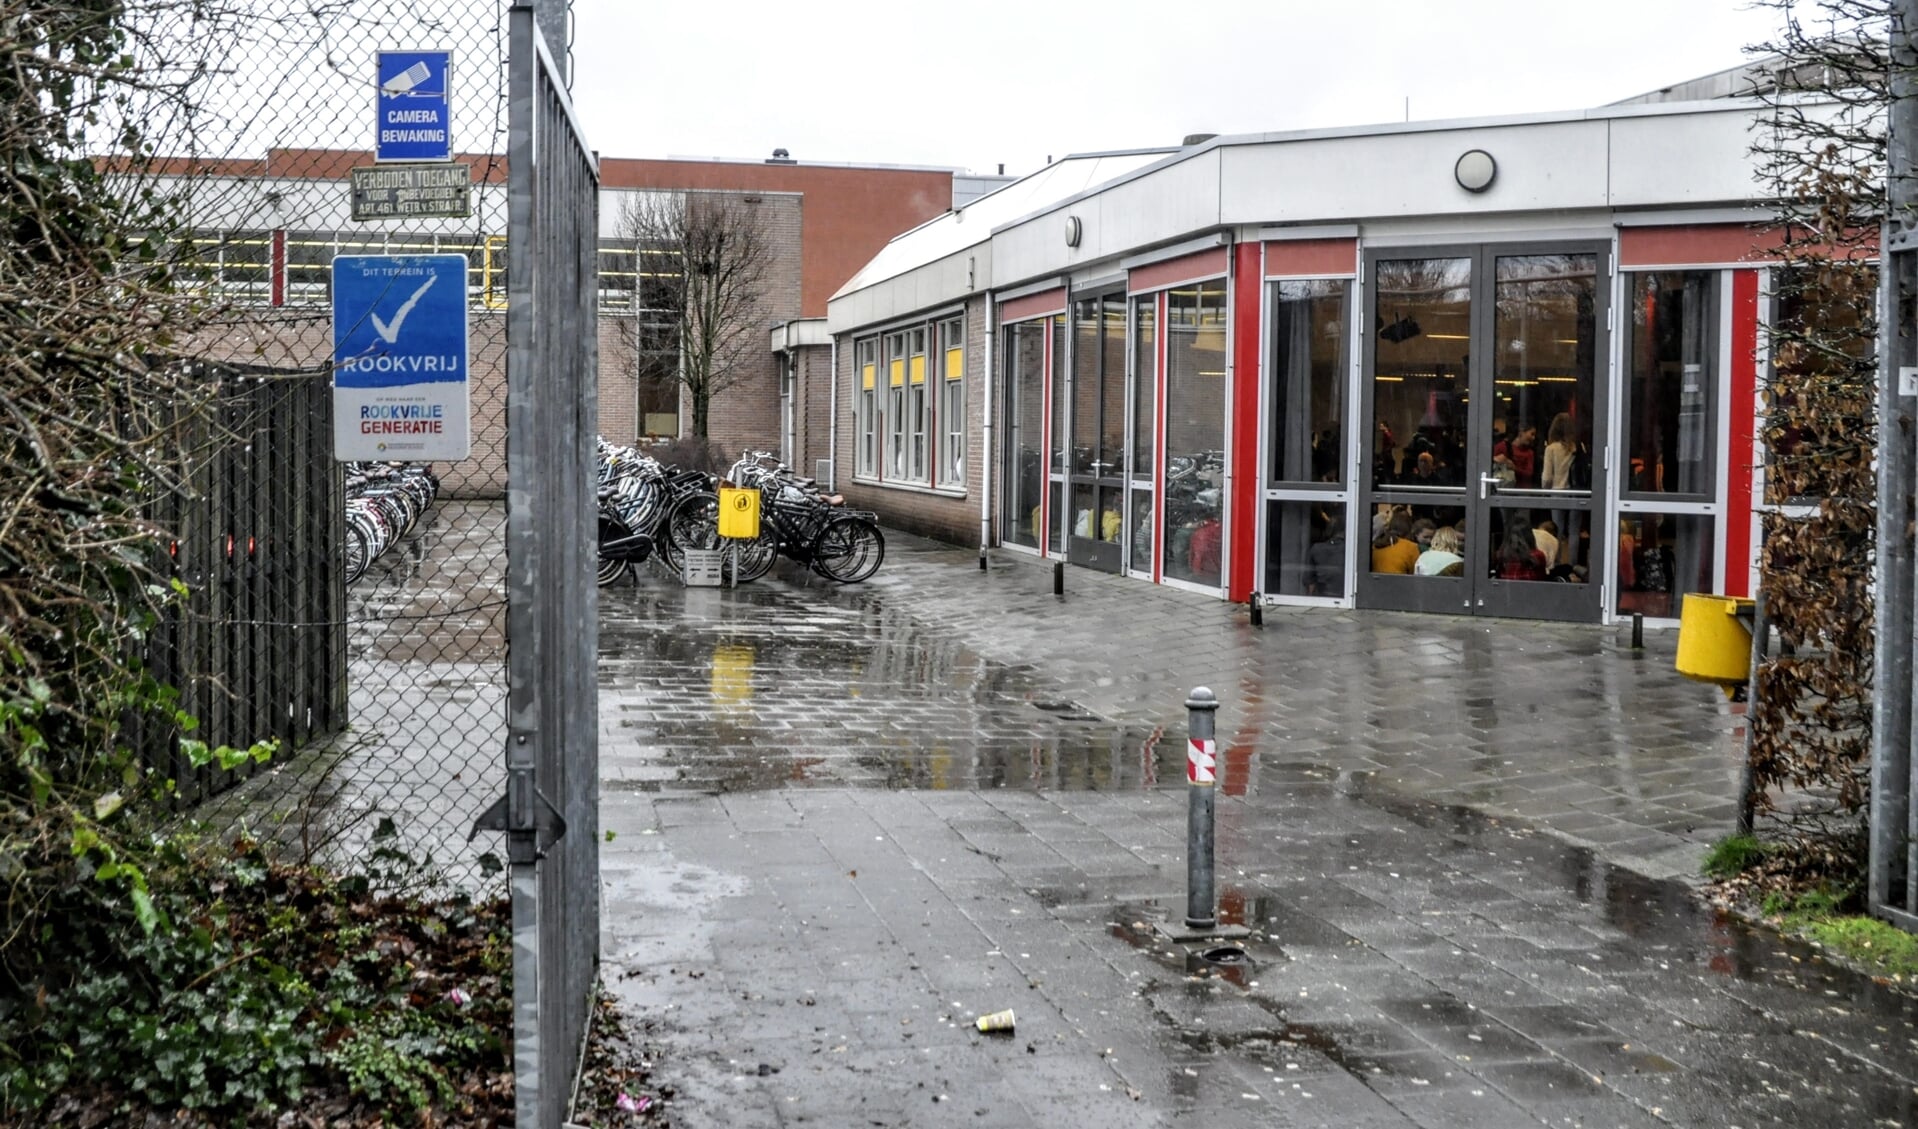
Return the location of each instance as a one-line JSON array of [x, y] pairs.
[[400, 358], [412, 107]]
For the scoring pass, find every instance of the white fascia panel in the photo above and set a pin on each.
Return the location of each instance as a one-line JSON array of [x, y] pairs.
[[1688, 159], [1167, 204], [1545, 165], [938, 283]]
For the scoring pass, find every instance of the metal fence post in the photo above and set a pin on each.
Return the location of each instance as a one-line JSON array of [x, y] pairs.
[[1201, 765], [1892, 871]]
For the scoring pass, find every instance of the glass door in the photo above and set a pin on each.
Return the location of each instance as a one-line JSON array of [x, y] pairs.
[[1542, 405], [1481, 406], [1418, 437], [1096, 493], [1141, 515]]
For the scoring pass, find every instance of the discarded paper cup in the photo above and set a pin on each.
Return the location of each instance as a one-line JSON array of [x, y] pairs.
[[997, 1021]]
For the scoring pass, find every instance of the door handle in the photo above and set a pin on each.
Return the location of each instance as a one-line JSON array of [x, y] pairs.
[[1487, 485]]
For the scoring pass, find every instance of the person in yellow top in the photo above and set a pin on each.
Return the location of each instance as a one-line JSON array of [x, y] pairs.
[[1393, 549]]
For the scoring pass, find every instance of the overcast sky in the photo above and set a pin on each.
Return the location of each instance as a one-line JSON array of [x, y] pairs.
[[979, 82]]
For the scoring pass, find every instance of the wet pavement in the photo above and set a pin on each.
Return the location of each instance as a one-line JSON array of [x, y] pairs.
[[849, 821]]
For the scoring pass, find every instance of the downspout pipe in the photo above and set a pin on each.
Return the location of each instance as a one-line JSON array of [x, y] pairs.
[[985, 447], [832, 418]]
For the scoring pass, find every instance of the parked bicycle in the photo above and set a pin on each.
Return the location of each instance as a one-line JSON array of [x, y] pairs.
[[383, 503], [810, 527], [637, 498]]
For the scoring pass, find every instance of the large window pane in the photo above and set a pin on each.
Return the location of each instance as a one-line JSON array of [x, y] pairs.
[[1059, 428], [951, 408], [1671, 425], [1544, 370], [1112, 400], [1086, 353], [1025, 432], [1824, 323], [1308, 380], [1420, 390], [866, 361], [1660, 558], [1305, 549], [1195, 434], [1416, 540], [894, 410], [1145, 351]]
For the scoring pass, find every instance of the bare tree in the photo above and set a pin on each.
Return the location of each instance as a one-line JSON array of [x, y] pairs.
[[702, 260]]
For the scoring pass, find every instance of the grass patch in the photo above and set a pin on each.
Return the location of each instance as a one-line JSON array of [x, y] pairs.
[[1885, 949], [1734, 855], [1828, 917]]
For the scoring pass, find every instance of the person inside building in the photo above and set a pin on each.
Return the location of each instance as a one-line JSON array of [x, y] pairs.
[[1325, 560], [1545, 536], [1518, 557], [1561, 471], [1427, 471], [1393, 550], [1445, 557], [1525, 457]]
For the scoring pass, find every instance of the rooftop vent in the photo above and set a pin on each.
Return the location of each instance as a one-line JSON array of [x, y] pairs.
[[781, 157]]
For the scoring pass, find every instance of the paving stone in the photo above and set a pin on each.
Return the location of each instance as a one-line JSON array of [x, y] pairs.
[[1393, 821]]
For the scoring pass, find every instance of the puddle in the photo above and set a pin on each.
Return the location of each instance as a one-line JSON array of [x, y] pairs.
[[728, 691]]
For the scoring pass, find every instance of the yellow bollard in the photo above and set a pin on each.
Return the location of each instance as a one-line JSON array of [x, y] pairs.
[[1714, 644]]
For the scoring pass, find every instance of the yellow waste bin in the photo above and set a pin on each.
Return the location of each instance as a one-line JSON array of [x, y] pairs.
[[1714, 644], [738, 513]]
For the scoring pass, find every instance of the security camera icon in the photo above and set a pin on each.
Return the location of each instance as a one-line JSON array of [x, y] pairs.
[[406, 80]]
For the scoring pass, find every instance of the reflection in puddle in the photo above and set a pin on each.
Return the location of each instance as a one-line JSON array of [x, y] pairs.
[[753, 689]]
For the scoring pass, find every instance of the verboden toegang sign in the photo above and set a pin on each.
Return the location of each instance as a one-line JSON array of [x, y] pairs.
[[400, 358]]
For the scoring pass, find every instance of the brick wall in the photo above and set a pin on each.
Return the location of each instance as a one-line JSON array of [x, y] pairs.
[[850, 215], [813, 422]]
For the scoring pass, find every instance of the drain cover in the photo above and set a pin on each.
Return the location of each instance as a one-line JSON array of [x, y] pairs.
[[1225, 954]]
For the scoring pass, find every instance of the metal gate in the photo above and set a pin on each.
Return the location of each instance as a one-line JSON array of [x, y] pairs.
[[550, 810], [1892, 875]]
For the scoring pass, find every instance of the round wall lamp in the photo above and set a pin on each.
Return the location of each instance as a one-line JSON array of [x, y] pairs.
[[1074, 229], [1475, 170]]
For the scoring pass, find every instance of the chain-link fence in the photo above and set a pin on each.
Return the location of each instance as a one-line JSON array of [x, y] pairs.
[[364, 618], [269, 199]]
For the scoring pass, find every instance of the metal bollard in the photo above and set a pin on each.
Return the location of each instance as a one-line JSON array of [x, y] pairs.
[[1257, 606], [1201, 765], [982, 560], [1058, 578], [1638, 631]]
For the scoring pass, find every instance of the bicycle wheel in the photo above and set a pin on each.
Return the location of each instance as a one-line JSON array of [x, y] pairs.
[[611, 571], [355, 553], [756, 557], [692, 524], [848, 550]]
